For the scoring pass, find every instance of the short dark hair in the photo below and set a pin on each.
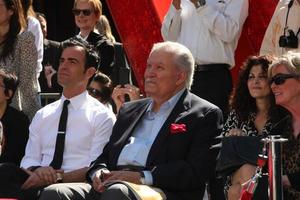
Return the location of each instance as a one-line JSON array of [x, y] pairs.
[[107, 85], [10, 82], [91, 56]]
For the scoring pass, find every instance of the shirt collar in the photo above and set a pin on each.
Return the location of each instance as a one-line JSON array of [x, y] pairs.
[[76, 101], [84, 38], [170, 103]]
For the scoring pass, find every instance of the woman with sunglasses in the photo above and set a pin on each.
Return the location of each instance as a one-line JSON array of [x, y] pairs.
[[253, 113], [87, 14], [101, 88], [285, 84]]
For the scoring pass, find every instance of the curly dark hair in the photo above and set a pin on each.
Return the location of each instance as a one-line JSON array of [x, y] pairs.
[[17, 23], [241, 100]]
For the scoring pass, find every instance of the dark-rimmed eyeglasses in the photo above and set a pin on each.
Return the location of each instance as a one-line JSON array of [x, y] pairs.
[[280, 79], [94, 92], [85, 12]]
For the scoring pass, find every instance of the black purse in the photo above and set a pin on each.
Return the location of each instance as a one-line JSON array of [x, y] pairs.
[[237, 151]]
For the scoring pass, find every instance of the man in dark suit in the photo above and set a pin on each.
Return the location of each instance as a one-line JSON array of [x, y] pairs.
[[52, 50], [162, 141]]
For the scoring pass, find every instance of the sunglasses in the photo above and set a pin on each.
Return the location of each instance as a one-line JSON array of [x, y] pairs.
[[280, 79], [94, 92], [85, 12]]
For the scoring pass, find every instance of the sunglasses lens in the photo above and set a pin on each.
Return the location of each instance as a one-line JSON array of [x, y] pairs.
[[76, 12], [86, 12], [94, 92], [279, 80]]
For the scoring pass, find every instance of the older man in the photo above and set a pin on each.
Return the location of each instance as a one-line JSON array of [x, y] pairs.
[[161, 141]]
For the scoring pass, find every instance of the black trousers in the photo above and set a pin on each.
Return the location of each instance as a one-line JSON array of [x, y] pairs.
[[213, 82], [12, 178]]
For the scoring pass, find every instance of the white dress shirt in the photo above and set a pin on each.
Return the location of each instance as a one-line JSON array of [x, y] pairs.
[[35, 28], [210, 32], [89, 127]]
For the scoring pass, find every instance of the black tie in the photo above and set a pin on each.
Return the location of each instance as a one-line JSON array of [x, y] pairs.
[[60, 138]]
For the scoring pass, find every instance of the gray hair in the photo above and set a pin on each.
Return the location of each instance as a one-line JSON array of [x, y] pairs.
[[183, 58], [290, 60]]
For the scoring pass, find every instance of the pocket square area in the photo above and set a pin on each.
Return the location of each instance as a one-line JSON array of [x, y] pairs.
[[177, 128]]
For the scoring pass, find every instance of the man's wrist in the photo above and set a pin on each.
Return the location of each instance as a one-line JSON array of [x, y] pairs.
[[142, 178], [59, 177], [147, 179], [33, 168]]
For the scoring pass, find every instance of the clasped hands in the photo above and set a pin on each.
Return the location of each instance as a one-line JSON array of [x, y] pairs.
[[104, 177], [41, 176], [235, 132]]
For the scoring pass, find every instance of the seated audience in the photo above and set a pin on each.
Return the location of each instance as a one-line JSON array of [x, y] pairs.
[[15, 124], [66, 135], [253, 113], [285, 84], [122, 93], [101, 88], [162, 141]]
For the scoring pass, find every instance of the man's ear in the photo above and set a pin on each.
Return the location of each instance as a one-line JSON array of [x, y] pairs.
[[10, 12], [181, 77], [8, 94], [90, 72]]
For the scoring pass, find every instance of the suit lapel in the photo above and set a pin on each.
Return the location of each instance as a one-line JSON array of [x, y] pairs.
[[137, 116], [92, 38], [180, 110]]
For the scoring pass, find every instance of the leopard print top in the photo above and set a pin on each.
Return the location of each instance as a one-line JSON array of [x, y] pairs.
[[23, 63], [291, 162], [248, 127]]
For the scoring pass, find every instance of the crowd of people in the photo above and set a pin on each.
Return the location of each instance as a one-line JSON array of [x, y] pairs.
[[104, 140]]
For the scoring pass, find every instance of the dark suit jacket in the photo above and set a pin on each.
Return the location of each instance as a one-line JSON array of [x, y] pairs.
[[52, 50], [16, 131], [180, 163], [105, 49]]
